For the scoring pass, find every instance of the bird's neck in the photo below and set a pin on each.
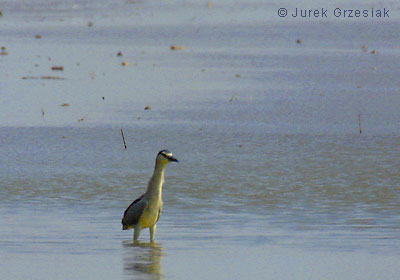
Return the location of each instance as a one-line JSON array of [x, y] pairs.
[[154, 189]]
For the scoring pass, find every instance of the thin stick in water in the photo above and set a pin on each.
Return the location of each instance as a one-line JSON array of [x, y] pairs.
[[359, 123], [123, 138]]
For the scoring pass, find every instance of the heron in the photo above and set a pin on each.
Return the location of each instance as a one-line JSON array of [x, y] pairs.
[[145, 211]]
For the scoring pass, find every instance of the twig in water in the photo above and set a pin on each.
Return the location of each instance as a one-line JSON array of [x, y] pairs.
[[359, 123], [123, 138]]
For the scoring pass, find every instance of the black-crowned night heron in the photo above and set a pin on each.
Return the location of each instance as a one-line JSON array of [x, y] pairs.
[[145, 211]]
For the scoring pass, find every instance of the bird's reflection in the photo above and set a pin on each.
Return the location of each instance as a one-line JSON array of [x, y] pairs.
[[142, 259]]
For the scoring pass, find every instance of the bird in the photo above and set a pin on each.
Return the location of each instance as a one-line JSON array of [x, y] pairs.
[[145, 211]]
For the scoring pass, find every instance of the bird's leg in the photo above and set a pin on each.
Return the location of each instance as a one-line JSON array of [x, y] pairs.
[[136, 233], [152, 232]]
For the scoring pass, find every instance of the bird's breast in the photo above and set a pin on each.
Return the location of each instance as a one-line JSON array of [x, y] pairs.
[[150, 215]]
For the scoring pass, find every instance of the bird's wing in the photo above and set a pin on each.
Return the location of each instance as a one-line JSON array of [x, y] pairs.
[[133, 212]]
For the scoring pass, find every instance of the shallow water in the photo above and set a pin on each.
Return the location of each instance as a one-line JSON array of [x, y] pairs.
[[274, 179], [277, 196]]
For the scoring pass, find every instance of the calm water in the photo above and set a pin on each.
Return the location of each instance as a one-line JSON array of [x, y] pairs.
[[64, 191], [274, 179]]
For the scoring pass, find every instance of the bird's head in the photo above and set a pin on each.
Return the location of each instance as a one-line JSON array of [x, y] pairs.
[[165, 157]]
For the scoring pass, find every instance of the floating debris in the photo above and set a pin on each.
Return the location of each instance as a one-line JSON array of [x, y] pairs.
[[57, 68], [64, 105], [90, 24], [38, 36], [298, 41], [3, 51], [209, 4], [234, 97], [364, 48], [237, 75], [51, 78], [42, 113], [119, 53], [42, 78], [359, 123], [374, 52], [102, 98], [147, 108], [82, 119], [124, 63], [175, 47], [1, 13]]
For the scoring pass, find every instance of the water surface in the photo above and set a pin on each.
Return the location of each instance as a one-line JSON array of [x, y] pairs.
[[274, 179]]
